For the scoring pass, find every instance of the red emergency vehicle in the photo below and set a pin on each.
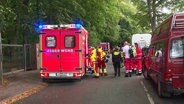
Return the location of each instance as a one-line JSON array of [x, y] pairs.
[[64, 50], [164, 62], [105, 46]]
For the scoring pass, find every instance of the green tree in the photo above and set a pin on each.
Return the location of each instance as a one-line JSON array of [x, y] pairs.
[[106, 20]]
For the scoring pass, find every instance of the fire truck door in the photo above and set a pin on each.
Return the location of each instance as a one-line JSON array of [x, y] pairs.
[[50, 49], [70, 51]]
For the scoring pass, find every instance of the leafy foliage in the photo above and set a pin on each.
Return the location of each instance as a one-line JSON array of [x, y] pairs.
[[106, 20]]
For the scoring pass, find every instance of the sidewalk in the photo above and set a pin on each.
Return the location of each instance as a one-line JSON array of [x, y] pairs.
[[20, 85]]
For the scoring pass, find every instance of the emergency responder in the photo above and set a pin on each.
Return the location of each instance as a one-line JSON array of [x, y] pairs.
[[127, 60], [133, 61], [116, 60], [101, 57], [89, 59], [138, 59], [93, 59]]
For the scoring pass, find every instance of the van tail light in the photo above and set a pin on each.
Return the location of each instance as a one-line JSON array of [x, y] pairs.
[[168, 75], [44, 75], [77, 75]]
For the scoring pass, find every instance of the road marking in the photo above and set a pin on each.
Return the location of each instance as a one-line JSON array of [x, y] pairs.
[[24, 94], [148, 95]]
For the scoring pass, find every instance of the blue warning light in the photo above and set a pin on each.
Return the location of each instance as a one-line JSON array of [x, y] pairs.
[[40, 26], [78, 25]]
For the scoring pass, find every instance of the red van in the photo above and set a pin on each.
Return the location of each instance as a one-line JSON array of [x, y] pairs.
[[164, 61], [63, 51]]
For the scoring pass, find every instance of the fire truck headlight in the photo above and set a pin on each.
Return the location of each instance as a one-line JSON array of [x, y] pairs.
[[78, 25]]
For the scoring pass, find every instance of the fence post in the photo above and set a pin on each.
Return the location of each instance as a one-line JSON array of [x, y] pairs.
[[25, 59], [1, 61]]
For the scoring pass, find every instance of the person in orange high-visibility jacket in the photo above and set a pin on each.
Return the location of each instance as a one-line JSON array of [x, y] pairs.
[[93, 59], [101, 56], [138, 59]]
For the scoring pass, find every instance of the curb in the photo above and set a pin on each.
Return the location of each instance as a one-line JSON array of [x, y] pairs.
[[24, 94]]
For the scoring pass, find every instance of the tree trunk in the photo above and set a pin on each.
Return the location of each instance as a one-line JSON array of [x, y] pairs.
[[152, 13]]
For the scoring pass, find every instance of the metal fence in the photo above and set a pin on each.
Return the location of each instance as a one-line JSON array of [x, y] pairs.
[[30, 57], [18, 57]]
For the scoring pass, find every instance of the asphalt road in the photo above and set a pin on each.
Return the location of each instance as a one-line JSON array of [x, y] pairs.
[[103, 90]]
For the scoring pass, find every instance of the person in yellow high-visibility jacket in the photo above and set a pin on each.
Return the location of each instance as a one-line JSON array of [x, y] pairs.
[[133, 60], [101, 61], [93, 58]]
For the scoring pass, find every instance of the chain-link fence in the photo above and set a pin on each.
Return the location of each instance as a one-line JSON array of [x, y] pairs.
[[18, 57]]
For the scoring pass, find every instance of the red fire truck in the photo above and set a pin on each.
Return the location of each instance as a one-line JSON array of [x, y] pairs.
[[63, 51]]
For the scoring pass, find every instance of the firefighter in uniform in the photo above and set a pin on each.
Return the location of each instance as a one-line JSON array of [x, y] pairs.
[[94, 63], [101, 61], [138, 59]]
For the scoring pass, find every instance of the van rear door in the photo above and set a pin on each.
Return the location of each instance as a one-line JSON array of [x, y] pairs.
[[50, 50], [71, 56], [177, 61]]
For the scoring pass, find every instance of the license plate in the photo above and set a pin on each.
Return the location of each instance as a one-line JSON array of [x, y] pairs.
[[60, 74], [65, 74], [52, 74], [69, 74]]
